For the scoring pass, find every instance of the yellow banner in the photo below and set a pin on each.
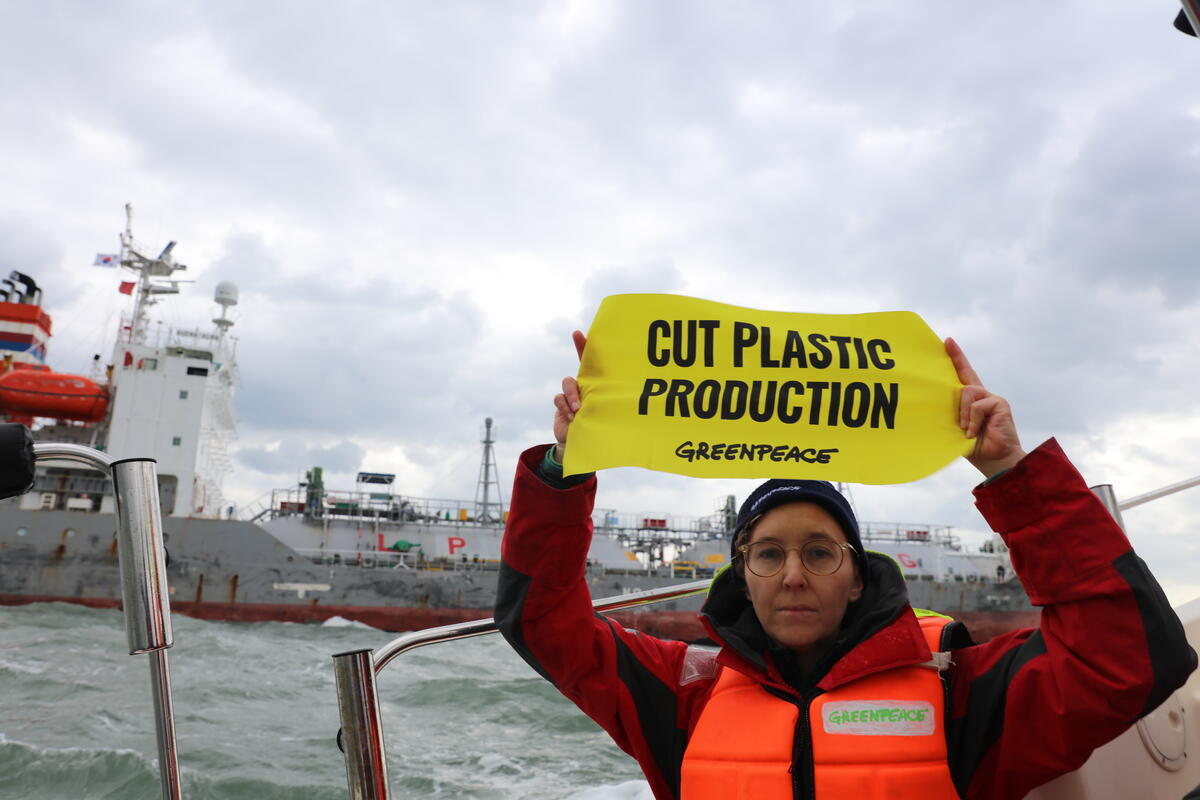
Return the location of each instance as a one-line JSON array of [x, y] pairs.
[[712, 390]]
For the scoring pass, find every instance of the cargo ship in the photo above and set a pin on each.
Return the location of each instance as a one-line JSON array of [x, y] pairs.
[[309, 553]]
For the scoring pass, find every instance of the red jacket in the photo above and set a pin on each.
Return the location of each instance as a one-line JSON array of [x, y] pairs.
[[1024, 707]]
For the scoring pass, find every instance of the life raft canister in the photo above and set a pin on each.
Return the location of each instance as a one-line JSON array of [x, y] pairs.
[[882, 736]]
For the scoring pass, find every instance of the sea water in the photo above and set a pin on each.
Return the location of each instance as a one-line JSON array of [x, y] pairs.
[[256, 715]]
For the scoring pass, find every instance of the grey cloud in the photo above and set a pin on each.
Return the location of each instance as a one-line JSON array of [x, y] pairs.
[[292, 454], [1127, 214], [327, 350]]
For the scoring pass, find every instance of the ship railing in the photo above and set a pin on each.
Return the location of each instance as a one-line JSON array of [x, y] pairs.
[[381, 506], [394, 559], [356, 671], [142, 561], [669, 569], [653, 524], [403, 509], [909, 533]]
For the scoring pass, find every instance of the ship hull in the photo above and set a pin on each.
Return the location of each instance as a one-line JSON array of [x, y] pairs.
[[238, 571]]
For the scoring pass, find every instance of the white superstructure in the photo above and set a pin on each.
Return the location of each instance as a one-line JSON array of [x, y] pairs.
[[173, 391], [174, 399]]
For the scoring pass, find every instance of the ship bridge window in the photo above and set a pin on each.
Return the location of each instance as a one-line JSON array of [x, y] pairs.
[[183, 394], [148, 364], [176, 441], [197, 370]]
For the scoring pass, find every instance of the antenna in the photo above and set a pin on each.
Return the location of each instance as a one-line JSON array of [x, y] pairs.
[[154, 276], [485, 509]]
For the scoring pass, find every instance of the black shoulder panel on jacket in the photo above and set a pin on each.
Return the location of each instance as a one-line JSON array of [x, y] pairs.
[[1171, 659], [656, 708], [985, 710], [511, 589]]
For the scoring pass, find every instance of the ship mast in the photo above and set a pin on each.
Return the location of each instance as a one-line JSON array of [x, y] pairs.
[[844, 488], [148, 270], [485, 509]]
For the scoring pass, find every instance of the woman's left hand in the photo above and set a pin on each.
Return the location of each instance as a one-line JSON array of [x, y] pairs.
[[987, 418]]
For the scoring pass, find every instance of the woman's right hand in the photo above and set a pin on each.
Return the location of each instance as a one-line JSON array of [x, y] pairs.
[[566, 403]]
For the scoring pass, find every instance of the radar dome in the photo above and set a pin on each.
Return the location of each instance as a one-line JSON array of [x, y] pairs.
[[226, 293]]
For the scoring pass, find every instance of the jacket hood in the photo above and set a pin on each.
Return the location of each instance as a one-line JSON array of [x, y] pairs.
[[730, 617]]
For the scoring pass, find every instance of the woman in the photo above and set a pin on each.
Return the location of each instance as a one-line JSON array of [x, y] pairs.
[[826, 683]]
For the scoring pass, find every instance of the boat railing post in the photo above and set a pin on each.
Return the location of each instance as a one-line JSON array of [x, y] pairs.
[[145, 595], [145, 599], [1107, 496], [361, 736], [355, 671], [140, 548]]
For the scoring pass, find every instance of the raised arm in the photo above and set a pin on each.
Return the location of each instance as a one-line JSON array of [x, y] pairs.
[[625, 681], [1031, 705]]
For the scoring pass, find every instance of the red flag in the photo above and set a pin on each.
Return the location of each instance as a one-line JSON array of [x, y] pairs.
[[126, 287]]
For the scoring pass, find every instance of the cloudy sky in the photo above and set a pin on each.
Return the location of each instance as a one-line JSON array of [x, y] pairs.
[[419, 202]]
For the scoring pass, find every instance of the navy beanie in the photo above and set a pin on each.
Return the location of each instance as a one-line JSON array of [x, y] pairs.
[[778, 491]]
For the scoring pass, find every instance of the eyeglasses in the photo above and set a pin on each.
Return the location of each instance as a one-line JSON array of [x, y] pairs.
[[818, 557]]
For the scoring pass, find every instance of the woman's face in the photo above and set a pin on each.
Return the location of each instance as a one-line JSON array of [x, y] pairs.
[[799, 610]]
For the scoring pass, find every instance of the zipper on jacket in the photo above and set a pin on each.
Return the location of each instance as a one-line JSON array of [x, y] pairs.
[[804, 782]]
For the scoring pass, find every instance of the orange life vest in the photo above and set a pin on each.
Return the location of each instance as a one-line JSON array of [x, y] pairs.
[[882, 736]]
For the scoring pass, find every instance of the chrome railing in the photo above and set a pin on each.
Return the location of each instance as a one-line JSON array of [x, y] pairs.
[[1157, 493], [143, 581], [355, 671]]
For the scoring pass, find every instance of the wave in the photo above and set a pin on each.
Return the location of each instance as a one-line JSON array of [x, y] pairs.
[[41, 773], [37, 773], [256, 713], [16, 666]]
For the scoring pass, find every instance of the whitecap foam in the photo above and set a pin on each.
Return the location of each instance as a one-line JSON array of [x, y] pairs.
[[342, 622], [16, 666]]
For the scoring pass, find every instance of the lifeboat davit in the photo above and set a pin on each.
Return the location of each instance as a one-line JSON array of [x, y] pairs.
[[39, 393]]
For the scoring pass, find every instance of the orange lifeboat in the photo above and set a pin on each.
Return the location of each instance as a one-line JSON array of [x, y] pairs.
[[39, 393]]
